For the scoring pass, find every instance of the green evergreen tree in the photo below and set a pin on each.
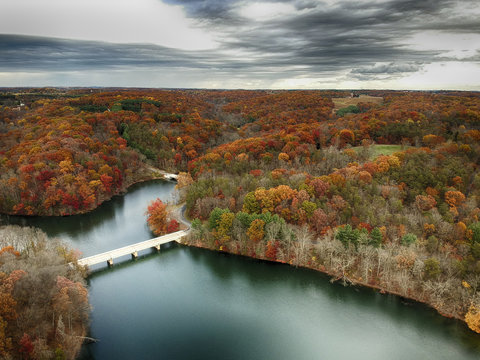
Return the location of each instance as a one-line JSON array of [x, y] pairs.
[[376, 237]]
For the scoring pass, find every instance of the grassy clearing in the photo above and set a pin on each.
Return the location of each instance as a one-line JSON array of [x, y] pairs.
[[378, 150], [347, 101]]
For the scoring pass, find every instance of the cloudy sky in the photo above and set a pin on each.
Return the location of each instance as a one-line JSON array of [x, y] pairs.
[[395, 44]]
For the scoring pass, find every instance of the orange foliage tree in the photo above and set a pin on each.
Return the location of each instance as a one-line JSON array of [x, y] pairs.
[[346, 136], [454, 198], [157, 217]]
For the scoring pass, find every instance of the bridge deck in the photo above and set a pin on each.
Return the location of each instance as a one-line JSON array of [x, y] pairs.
[[131, 249]]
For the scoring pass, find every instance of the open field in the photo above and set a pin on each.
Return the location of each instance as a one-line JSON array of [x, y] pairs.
[[382, 150], [347, 101]]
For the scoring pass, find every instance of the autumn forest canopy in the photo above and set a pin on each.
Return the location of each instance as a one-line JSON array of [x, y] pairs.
[[380, 188]]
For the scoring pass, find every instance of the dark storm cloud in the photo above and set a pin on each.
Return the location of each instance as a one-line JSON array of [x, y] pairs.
[[223, 11], [31, 53], [348, 35], [38, 53], [430, 7], [355, 24], [210, 10]]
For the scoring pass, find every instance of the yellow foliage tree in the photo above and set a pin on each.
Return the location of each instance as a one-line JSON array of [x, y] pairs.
[[283, 156], [472, 318], [225, 225], [255, 232]]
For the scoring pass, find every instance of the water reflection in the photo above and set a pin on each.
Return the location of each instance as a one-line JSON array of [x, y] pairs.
[[73, 226], [215, 306], [118, 222], [230, 268]]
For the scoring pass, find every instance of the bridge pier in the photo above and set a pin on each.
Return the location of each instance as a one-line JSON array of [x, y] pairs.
[[134, 255], [157, 247], [110, 262]]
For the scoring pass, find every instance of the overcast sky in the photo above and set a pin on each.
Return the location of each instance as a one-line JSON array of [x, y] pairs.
[[395, 44]]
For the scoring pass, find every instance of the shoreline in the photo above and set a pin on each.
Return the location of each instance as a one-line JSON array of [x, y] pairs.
[[161, 175], [336, 277], [158, 176]]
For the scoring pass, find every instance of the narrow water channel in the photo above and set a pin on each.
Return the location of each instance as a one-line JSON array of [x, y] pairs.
[[187, 303]]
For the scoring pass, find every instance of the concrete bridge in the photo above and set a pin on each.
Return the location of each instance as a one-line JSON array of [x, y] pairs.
[[173, 177], [166, 175], [133, 249]]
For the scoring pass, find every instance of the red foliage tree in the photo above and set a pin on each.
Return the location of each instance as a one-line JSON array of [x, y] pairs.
[[319, 221], [320, 187], [271, 251], [172, 226], [26, 346]]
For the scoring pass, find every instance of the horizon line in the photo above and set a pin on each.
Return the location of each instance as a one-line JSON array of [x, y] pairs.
[[229, 89]]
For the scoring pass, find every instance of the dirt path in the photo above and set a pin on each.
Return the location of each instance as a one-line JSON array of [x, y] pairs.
[[177, 212]]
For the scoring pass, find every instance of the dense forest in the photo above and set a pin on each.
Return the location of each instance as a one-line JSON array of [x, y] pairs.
[[44, 306], [381, 189], [63, 155]]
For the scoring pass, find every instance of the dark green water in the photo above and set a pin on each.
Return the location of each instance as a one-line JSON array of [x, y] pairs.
[[116, 223], [187, 303]]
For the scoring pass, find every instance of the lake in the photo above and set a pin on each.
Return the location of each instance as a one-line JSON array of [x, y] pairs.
[[189, 303]]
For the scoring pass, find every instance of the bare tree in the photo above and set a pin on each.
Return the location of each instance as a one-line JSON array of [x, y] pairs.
[[302, 245]]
